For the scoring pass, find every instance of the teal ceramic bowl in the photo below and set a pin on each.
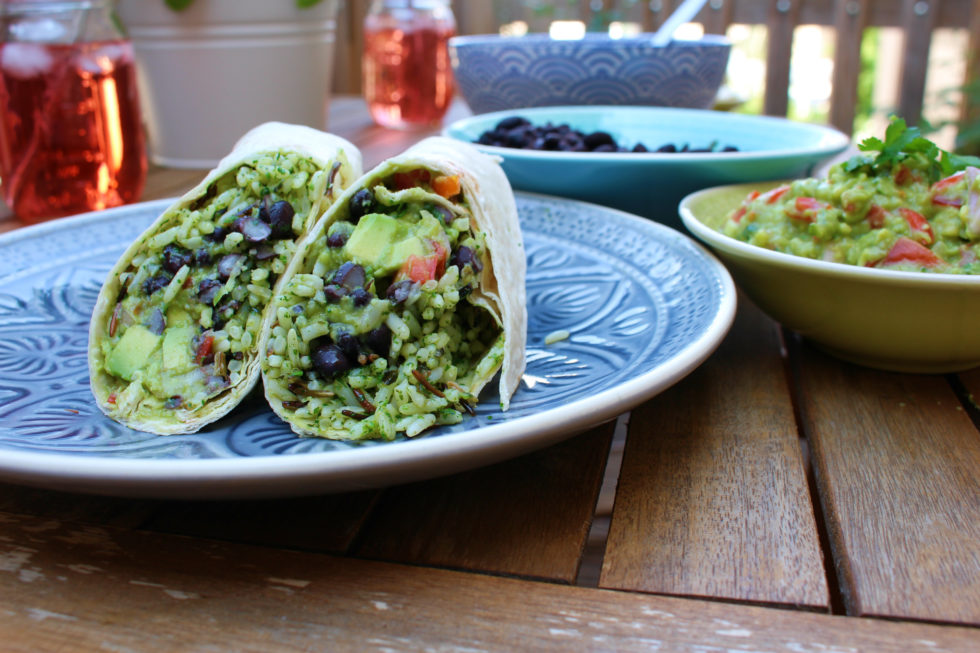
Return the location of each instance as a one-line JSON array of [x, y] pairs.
[[652, 184], [886, 319]]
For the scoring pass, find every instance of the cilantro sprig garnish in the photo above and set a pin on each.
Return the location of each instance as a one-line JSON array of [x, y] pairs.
[[902, 143]]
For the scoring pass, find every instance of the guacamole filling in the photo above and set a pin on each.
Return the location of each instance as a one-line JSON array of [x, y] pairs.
[[902, 210], [379, 336], [191, 301]]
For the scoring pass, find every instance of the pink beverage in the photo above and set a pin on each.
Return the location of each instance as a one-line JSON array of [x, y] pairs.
[[408, 80], [71, 139]]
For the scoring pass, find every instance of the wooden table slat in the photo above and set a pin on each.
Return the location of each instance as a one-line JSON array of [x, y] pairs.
[[73, 588], [525, 517], [713, 500], [897, 461]]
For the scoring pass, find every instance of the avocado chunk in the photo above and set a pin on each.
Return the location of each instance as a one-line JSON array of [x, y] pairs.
[[132, 352], [384, 243], [177, 354], [373, 236]]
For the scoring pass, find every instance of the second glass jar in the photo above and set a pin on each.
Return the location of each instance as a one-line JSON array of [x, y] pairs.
[[408, 79]]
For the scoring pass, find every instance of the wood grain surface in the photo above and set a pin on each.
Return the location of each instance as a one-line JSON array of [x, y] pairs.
[[67, 587], [526, 517], [712, 498], [897, 460]]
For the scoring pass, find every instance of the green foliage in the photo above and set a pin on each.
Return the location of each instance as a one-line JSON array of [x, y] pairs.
[[902, 143]]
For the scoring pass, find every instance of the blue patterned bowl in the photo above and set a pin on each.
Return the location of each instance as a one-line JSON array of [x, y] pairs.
[[496, 73]]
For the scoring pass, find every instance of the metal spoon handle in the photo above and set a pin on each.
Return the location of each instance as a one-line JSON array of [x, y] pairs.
[[685, 13]]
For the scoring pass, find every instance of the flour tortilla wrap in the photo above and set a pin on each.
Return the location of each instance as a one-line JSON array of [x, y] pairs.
[[404, 302], [173, 337]]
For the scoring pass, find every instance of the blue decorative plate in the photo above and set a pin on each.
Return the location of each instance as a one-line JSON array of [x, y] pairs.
[[643, 305]]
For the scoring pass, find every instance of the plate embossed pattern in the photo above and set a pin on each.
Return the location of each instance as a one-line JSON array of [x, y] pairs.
[[634, 296]]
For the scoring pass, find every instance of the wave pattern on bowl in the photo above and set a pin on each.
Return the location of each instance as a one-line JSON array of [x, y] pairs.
[[506, 73]]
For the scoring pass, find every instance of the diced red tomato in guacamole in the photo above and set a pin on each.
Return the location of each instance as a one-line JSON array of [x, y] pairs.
[[906, 250]]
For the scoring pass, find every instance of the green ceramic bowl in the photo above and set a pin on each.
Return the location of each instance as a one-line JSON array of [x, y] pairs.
[[901, 321]]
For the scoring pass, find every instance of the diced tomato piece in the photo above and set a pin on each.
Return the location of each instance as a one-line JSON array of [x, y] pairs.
[[410, 179], [111, 398], [739, 214], [204, 349], [419, 269], [906, 250], [425, 268], [917, 222], [903, 175], [805, 208], [440, 253], [773, 196], [876, 217], [446, 185], [943, 184]]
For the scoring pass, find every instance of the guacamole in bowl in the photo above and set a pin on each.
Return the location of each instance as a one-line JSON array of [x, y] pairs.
[[869, 299], [900, 210]]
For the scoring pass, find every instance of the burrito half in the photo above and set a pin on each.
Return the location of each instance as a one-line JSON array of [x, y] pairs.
[[404, 302], [173, 341]]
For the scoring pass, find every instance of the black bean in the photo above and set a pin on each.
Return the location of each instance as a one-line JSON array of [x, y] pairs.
[[442, 213], [279, 216], [361, 297], [334, 293], [511, 122], [465, 256], [349, 345], [156, 322], [361, 203], [218, 234], [264, 252], [227, 265], [379, 339], [253, 228], [597, 139], [337, 239], [399, 291], [154, 284], [350, 275], [207, 289], [329, 361], [202, 257], [175, 257]]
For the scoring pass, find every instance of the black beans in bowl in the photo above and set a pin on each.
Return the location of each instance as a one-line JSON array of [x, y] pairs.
[[517, 132]]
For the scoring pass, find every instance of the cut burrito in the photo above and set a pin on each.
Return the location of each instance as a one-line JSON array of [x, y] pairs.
[[404, 302], [173, 342]]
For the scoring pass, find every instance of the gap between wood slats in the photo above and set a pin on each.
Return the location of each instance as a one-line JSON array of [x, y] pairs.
[[790, 353], [595, 546]]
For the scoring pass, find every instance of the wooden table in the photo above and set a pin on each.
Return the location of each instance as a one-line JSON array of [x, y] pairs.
[[774, 500]]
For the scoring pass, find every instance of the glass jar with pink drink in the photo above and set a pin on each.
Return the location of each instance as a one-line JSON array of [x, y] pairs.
[[71, 137], [408, 79]]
